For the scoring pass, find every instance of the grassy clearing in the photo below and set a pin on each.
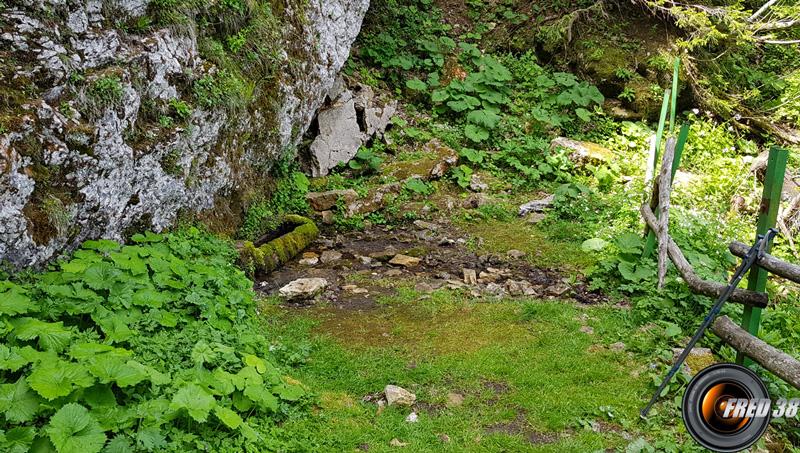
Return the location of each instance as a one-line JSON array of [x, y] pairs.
[[553, 247], [514, 361]]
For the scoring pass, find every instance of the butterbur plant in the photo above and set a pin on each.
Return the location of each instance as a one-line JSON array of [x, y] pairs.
[[144, 347]]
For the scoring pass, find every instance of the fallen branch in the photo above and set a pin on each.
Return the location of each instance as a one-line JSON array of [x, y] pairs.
[[697, 284], [778, 362], [769, 262]]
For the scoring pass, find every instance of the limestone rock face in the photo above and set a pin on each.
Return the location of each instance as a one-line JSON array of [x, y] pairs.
[[107, 129]]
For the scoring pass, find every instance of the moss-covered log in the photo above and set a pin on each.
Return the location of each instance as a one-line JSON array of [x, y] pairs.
[[259, 259]]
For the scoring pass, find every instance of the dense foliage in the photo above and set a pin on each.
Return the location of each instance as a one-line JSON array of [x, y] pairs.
[[151, 346]]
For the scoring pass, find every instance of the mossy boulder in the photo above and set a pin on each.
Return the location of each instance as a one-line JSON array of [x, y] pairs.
[[267, 254]]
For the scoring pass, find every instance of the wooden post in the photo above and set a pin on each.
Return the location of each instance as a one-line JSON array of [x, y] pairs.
[[768, 214], [650, 242]]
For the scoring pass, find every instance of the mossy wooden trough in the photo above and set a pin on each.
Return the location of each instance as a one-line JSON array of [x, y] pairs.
[[275, 248]]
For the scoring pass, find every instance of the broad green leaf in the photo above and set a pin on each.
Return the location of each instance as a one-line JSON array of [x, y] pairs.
[[18, 402], [483, 117], [262, 397], [256, 362], [672, 330], [593, 245], [113, 369], [119, 444], [73, 430], [42, 444], [115, 327], [99, 395], [197, 402], [630, 243], [15, 302], [583, 114], [439, 95], [100, 275], [149, 297], [230, 418], [53, 336], [10, 358], [18, 440], [289, 392], [223, 382], [147, 237], [84, 351], [202, 353], [416, 84], [476, 133], [151, 438], [56, 378]]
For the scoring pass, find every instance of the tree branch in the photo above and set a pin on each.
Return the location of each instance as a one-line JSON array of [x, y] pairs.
[[778, 362]]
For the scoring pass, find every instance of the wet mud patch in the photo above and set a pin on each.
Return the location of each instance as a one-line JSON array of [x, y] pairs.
[[519, 427]]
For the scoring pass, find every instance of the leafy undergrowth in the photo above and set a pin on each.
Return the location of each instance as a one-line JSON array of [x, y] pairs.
[[514, 361], [146, 347]]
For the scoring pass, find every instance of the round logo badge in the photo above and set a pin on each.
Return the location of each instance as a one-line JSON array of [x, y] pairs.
[[726, 408]]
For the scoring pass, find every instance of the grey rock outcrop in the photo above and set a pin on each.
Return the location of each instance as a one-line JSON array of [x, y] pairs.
[[107, 130], [351, 119]]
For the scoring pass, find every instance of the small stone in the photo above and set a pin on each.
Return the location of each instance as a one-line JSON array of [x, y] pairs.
[[309, 261], [404, 260], [397, 443], [455, 284], [330, 256], [324, 201], [617, 347], [393, 273], [454, 399], [475, 200], [536, 205], [412, 418], [384, 255], [327, 217], [423, 225], [514, 288], [557, 290], [310, 255], [494, 288], [476, 185], [516, 254], [399, 396], [364, 259], [587, 330], [469, 277], [303, 288]]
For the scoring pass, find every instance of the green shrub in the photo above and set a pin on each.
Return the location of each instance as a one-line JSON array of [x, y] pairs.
[[289, 197], [146, 347]]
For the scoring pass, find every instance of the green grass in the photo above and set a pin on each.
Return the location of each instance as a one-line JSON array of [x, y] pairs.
[[552, 247], [524, 364]]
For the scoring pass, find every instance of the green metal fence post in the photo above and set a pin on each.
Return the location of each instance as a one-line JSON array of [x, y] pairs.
[[767, 216]]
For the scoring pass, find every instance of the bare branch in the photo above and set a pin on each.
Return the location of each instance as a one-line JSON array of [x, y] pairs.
[[761, 10]]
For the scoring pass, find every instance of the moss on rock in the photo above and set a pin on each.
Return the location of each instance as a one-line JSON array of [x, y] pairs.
[[265, 258]]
